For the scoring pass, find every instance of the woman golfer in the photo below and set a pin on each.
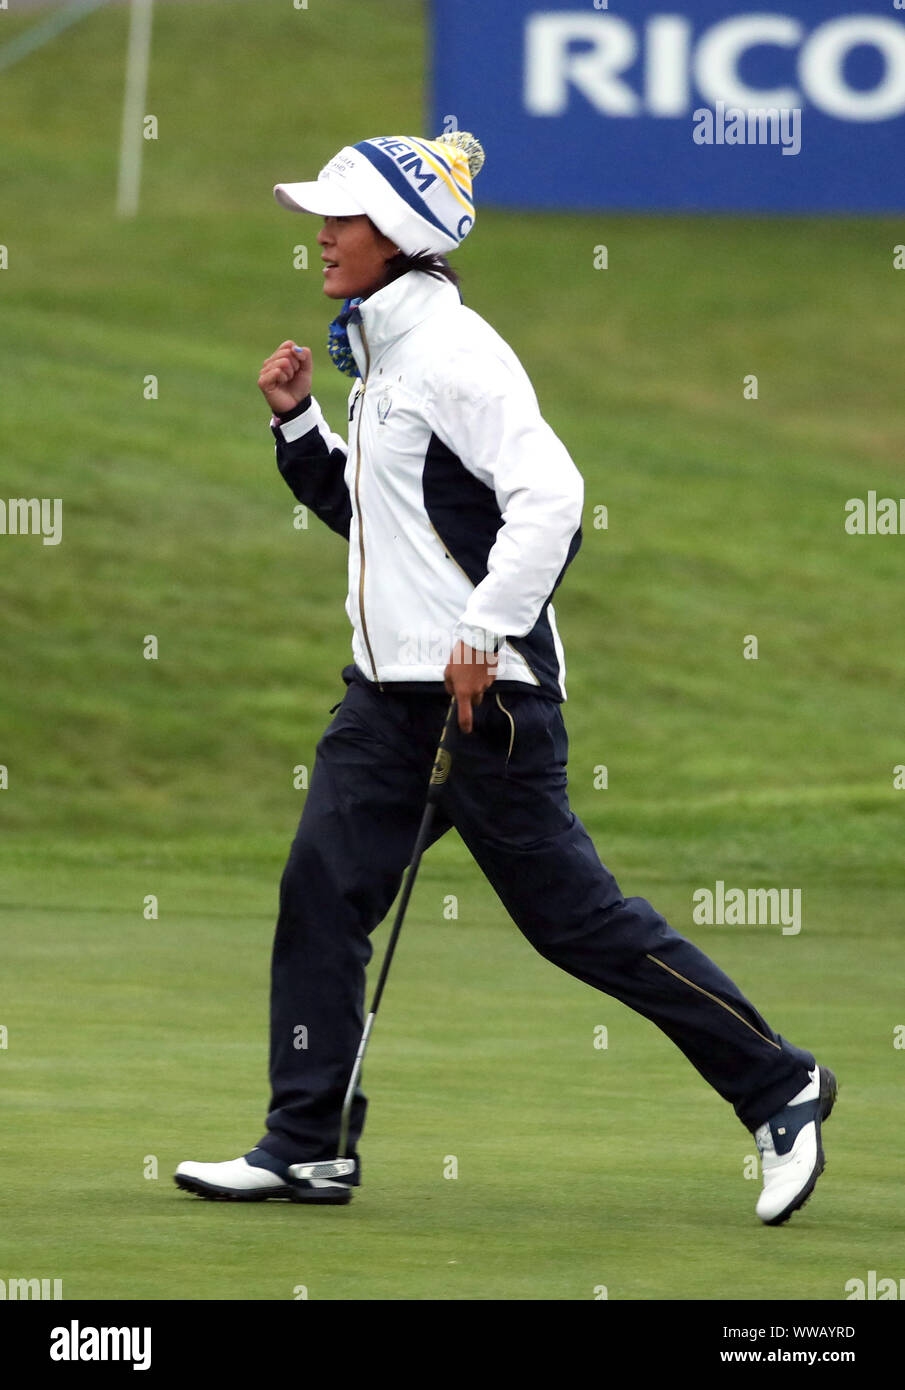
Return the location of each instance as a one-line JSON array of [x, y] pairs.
[[462, 511]]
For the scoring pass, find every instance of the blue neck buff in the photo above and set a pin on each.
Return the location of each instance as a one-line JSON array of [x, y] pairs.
[[338, 344]]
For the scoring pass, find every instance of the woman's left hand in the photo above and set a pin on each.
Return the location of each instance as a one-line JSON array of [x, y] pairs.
[[468, 675]]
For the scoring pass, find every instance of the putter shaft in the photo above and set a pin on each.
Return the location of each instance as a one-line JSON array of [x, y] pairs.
[[439, 774]]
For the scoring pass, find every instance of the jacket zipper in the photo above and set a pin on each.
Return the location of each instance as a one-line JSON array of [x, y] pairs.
[[361, 536]]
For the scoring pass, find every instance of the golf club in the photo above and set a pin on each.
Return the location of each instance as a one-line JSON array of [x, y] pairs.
[[341, 1166]]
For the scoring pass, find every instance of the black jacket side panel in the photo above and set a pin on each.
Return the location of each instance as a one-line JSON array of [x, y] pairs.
[[462, 510], [466, 517]]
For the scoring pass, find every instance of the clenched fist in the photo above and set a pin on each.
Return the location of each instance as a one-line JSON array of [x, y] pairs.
[[285, 377]]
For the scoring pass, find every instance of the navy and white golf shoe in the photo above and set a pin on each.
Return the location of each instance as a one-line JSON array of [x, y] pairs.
[[258, 1177], [791, 1149]]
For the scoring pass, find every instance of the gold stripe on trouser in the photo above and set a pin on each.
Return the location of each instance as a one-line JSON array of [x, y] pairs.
[[721, 1002], [511, 725]]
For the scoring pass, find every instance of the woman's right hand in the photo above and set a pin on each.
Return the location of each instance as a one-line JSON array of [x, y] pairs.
[[285, 377]]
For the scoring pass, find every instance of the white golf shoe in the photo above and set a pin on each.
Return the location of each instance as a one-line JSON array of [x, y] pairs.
[[791, 1149], [258, 1177]]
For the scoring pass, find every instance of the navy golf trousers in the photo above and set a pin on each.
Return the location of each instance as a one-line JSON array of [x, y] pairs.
[[506, 796]]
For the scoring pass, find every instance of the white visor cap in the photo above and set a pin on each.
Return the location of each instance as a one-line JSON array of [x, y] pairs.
[[418, 203], [321, 196]]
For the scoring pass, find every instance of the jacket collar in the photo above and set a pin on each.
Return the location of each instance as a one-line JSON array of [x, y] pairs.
[[389, 313]]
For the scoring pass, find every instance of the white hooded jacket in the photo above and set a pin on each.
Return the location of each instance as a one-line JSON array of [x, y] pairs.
[[461, 506]]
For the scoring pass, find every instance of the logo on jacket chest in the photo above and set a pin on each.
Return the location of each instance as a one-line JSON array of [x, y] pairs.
[[384, 405]]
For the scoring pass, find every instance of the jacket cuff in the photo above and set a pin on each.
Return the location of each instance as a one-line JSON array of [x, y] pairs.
[[478, 638], [294, 423]]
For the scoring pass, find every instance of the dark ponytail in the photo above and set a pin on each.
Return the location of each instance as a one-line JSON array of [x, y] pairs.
[[426, 261]]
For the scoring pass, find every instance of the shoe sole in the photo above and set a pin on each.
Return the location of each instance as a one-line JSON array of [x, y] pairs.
[[829, 1089], [322, 1197]]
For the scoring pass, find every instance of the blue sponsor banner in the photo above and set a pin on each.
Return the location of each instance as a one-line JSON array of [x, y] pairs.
[[695, 105]]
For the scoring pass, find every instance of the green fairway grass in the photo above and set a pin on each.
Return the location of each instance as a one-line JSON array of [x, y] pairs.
[[133, 1044]]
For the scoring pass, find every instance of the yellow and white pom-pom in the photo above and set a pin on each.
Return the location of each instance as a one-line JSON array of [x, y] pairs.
[[469, 145]]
